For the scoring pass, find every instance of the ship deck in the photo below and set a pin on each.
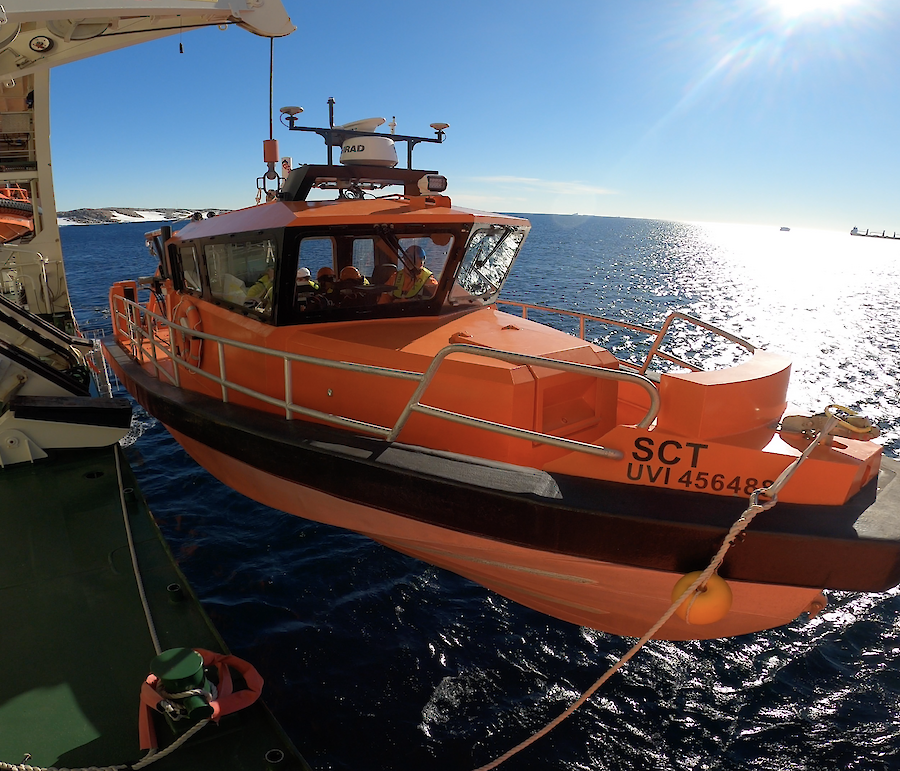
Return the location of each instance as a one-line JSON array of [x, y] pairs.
[[75, 644]]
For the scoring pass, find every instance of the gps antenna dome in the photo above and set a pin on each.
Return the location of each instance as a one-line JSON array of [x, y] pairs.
[[291, 112]]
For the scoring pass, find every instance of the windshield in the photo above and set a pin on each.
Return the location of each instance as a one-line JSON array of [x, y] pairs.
[[487, 262]]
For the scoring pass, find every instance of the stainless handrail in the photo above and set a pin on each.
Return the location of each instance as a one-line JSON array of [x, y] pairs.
[[226, 385], [658, 334], [414, 403]]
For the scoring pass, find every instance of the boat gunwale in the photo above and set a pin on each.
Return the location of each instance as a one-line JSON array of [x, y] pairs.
[[678, 529]]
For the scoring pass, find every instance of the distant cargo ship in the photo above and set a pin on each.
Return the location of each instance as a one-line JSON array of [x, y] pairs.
[[883, 234]]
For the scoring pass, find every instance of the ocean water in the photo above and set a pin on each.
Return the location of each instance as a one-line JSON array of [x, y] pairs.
[[376, 661]]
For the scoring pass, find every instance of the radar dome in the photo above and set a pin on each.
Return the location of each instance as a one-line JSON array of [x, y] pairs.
[[369, 151]]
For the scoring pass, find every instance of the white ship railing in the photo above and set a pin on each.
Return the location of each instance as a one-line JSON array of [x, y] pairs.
[[139, 326], [657, 334]]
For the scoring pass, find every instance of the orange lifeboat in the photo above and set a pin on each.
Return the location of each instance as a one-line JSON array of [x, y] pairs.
[[397, 396], [16, 213]]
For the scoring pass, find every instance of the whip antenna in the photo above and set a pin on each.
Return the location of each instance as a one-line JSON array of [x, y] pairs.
[[271, 77], [270, 145]]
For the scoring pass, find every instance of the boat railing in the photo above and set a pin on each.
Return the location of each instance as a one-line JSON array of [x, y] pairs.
[[658, 335], [141, 328]]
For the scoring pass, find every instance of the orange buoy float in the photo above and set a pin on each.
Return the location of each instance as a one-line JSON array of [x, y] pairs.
[[707, 604]]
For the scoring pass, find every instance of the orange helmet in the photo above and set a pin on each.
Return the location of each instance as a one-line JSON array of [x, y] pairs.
[[350, 273], [324, 271]]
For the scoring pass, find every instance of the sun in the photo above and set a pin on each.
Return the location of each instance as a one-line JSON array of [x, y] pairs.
[[792, 9]]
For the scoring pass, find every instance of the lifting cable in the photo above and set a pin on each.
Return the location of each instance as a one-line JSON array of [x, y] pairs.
[[740, 524]]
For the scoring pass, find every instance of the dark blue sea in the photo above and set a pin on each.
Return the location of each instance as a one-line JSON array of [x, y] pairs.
[[373, 660]]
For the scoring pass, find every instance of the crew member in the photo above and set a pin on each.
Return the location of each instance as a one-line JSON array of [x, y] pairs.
[[415, 282], [262, 289], [351, 275], [305, 282], [326, 280]]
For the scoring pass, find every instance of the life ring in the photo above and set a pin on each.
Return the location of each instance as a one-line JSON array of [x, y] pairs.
[[226, 702], [188, 347]]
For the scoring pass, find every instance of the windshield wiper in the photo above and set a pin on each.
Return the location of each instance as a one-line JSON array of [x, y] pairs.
[[387, 234]]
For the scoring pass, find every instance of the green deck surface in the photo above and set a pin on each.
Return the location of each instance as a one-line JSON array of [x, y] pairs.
[[74, 643]]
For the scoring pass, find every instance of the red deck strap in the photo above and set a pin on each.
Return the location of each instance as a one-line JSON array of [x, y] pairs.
[[226, 702]]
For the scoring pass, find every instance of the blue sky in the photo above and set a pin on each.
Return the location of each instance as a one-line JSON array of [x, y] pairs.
[[781, 112]]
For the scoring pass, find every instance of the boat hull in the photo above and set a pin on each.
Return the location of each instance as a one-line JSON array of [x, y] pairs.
[[618, 599], [595, 553], [14, 227], [16, 217]]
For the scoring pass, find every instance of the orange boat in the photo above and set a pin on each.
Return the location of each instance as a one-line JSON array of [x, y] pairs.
[[16, 213], [348, 361]]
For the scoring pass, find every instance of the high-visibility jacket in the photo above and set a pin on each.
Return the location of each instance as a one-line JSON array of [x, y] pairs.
[[262, 288], [407, 286]]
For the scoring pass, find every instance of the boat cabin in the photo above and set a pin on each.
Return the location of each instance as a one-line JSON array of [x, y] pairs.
[[299, 261]]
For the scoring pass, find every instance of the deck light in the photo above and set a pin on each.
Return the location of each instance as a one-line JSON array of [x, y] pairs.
[[435, 183]]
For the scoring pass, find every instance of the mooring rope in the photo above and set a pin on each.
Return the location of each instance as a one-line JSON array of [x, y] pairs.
[[740, 524], [134, 562], [152, 757]]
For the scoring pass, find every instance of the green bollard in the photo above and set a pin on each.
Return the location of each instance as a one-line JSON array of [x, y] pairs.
[[179, 670]]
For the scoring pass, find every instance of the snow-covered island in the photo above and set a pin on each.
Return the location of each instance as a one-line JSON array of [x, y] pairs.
[[124, 214]]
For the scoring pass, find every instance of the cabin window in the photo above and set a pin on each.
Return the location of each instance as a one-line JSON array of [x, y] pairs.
[[191, 268], [364, 255], [315, 254], [376, 256], [242, 273], [436, 248], [386, 257], [487, 262]]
